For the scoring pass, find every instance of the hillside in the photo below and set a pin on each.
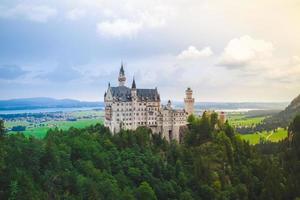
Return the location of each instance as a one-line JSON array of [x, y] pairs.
[[91, 163], [283, 118], [44, 102]]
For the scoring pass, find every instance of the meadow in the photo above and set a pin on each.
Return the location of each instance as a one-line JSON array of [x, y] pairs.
[[272, 136], [241, 119], [39, 130]]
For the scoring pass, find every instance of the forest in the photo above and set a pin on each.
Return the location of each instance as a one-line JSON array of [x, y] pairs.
[[212, 162]]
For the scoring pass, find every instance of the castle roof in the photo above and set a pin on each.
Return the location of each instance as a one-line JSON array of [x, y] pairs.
[[123, 93], [122, 72], [133, 84]]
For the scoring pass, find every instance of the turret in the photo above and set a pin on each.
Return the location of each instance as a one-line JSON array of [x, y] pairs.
[[189, 101], [133, 90], [122, 78], [107, 94], [169, 104]]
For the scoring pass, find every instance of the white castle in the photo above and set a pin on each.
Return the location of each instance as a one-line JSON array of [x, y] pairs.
[[129, 108]]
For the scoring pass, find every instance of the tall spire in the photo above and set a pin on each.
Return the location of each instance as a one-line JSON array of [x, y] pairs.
[[122, 70], [122, 77], [133, 84]]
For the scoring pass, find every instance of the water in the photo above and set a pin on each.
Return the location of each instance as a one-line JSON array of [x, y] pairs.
[[48, 110]]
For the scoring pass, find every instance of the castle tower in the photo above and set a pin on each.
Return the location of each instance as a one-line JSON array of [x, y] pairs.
[[189, 101], [122, 78], [169, 104], [133, 90]]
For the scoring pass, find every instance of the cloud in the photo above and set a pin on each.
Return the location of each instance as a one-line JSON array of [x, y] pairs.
[[285, 70], [243, 51], [134, 17], [11, 72], [75, 14], [119, 28], [36, 13], [61, 74], [193, 53]]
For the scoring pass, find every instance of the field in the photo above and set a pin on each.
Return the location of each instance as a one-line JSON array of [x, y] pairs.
[[240, 119], [275, 136], [39, 130]]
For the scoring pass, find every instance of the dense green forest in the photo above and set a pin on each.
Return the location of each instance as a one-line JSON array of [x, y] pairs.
[[211, 163]]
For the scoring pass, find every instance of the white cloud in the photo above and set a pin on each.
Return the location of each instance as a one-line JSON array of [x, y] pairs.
[[75, 14], [284, 70], [37, 13], [256, 59], [245, 50], [193, 53], [133, 17], [119, 28]]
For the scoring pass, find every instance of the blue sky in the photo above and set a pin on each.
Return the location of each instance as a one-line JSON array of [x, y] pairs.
[[225, 50]]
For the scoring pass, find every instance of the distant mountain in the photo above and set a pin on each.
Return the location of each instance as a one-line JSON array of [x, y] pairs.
[[284, 117], [44, 102]]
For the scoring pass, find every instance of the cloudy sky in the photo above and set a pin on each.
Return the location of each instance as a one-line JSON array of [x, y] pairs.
[[226, 50]]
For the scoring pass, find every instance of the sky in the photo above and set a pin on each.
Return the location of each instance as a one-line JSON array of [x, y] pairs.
[[225, 50]]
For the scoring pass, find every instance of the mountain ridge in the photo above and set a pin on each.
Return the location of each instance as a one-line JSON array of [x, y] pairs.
[[44, 102], [47, 102], [284, 118]]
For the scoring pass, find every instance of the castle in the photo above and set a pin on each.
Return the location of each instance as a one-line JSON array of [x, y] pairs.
[[129, 108]]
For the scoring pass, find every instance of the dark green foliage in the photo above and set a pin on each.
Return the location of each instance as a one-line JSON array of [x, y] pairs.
[[90, 163], [18, 128], [145, 192], [2, 128]]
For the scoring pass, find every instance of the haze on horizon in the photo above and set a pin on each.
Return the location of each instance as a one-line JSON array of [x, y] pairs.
[[224, 50]]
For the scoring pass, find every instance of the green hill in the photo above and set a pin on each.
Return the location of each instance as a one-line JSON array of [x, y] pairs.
[[283, 118]]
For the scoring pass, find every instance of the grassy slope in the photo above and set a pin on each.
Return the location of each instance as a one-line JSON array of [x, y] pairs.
[[40, 130], [276, 136], [240, 119]]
